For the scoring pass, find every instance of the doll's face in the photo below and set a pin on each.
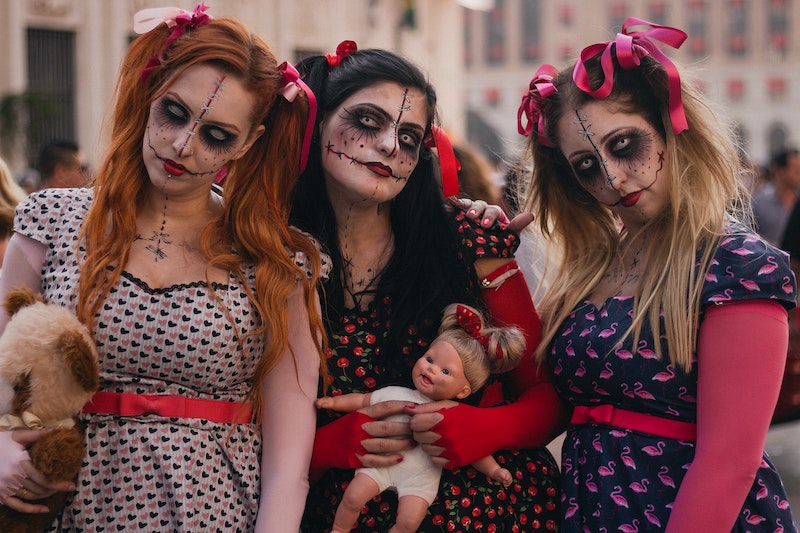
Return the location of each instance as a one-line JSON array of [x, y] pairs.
[[618, 158], [439, 374], [199, 124], [371, 143]]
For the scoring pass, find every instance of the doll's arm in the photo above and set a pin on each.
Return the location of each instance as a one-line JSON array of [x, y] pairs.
[[491, 468], [288, 424], [741, 354], [22, 265], [345, 403]]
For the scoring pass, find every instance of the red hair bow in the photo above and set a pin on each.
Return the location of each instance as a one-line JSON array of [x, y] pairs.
[[631, 47], [344, 49], [541, 88], [471, 323]]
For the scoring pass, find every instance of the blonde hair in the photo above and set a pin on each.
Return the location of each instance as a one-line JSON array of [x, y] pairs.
[[704, 168], [10, 192], [479, 362]]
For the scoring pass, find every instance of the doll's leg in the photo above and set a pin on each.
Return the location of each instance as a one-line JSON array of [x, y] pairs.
[[489, 466], [410, 514], [358, 492]]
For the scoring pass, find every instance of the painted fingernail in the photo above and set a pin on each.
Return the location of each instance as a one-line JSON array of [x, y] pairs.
[[487, 221]]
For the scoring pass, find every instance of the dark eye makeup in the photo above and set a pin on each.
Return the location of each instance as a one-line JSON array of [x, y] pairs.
[[171, 113]]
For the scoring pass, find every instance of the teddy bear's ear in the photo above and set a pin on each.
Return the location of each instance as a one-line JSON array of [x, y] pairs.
[[20, 297]]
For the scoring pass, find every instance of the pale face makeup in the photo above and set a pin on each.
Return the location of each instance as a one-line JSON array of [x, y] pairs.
[[439, 374], [618, 158], [199, 124], [371, 143]]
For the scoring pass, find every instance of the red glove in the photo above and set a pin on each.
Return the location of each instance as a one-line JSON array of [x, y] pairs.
[[468, 433], [337, 444]]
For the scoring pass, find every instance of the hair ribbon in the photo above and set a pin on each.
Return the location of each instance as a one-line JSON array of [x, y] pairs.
[[631, 46], [291, 88], [540, 88], [448, 163], [471, 323], [147, 20], [344, 49]]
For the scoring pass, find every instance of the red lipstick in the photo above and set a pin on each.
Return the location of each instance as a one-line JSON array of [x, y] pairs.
[[173, 168], [631, 199]]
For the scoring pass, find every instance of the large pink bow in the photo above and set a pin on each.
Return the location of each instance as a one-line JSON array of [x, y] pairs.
[[541, 88], [176, 18], [631, 46], [293, 85], [471, 323]]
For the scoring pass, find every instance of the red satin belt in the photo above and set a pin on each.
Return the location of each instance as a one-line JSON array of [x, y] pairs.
[[608, 415], [124, 404]]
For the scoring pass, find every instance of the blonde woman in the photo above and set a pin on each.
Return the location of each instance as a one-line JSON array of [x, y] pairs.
[[667, 327]]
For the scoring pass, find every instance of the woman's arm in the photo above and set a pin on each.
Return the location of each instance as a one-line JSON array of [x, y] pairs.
[[288, 424], [741, 355], [22, 266]]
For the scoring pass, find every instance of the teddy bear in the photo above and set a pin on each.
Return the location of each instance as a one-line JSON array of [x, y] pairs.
[[48, 371]]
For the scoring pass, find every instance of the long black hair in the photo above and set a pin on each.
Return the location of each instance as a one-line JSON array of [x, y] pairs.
[[425, 272]]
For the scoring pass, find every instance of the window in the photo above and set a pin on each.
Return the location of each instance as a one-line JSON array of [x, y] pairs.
[[495, 33], [697, 28], [736, 38], [531, 30], [51, 76], [778, 27]]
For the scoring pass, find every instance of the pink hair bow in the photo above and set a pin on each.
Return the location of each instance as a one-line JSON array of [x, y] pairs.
[[292, 87], [471, 323], [631, 46], [176, 18], [344, 49], [541, 88]]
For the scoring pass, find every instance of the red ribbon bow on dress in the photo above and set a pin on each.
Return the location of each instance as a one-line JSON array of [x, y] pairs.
[[541, 88], [631, 46], [344, 49], [471, 323], [176, 18]]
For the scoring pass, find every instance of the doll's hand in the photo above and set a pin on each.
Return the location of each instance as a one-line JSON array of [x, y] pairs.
[[453, 434], [20, 482], [326, 402], [363, 438]]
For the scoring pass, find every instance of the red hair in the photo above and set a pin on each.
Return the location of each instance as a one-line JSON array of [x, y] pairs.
[[257, 192]]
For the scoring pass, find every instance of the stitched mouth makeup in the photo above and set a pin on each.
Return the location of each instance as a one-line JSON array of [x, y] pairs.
[[173, 168], [379, 169]]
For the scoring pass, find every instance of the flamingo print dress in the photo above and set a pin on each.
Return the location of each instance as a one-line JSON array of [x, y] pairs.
[[616, 479]]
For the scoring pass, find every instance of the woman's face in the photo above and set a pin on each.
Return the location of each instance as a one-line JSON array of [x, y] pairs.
[[619, 158], [371, 143], [199, 124]]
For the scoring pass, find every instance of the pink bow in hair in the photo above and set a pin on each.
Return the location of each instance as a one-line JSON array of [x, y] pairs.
[[292, 87], [344, 49], [471, 323], [631, 46], [176, 18], [541, 88]]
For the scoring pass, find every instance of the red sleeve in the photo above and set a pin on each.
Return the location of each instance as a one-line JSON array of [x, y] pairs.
[[741, 354]]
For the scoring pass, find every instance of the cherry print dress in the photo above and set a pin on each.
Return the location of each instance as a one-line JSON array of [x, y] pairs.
[[615, 478], [468, 500], [151, 473]]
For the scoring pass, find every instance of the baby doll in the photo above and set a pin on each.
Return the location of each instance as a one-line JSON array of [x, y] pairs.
[[457, 363]]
